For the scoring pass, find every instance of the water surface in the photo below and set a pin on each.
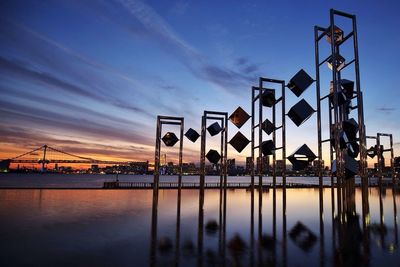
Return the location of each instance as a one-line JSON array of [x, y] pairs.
[[114, 228]]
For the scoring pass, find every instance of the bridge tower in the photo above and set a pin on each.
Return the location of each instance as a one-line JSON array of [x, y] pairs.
[[44, 158]]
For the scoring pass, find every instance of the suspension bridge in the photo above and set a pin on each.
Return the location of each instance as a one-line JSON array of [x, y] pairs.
[[48, 155]]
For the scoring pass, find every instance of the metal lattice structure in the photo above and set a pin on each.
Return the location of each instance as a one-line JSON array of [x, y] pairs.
[[257, 94], [167, 120], [338, 111], [222, 117]]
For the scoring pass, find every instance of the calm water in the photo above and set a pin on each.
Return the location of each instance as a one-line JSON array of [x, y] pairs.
[[117, 228], [49, 180]]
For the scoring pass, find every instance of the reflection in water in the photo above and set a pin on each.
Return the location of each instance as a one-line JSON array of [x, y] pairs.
[[303, 227], [354, 240]]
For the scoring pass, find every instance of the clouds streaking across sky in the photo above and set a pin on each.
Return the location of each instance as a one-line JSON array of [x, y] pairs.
[[90, 77]]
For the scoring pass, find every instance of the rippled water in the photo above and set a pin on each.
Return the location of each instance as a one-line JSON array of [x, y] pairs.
[[49, 180], [114, 228]]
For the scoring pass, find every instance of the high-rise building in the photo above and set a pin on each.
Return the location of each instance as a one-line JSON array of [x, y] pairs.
[[265, 164], [248, 165], [231, 166]]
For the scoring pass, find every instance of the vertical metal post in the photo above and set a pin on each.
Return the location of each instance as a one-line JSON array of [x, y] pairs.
[[178, 228], [336, 84], [180, 156], [157, 156], [361, 126], [274, 154], [392, 161], [283, 136], [202, 151], [225, 150], [252, 173], [379, 152], [260, 117], [318, 93]]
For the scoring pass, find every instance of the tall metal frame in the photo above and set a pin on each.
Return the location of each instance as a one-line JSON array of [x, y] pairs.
[[381, 162], [339, 114], [223, 118], [161, 120], [254, 99], [168, 120], [379, 152], [376, 142]]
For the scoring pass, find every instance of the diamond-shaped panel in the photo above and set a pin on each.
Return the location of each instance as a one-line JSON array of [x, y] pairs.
[[350, 166], [342, 97], [213, 156], [170, 139], [192, 135], [340, 61], [371, 152], [300, 82], [353, 149], [239, 142], [350, 127], [337, 35], [347, 87], [268, 97], [268, 126], [239, 117], [268, 147], [301, 158], [214, 129], [300, 112]]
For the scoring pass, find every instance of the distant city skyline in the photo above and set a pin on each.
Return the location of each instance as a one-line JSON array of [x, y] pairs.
[[90, 77]]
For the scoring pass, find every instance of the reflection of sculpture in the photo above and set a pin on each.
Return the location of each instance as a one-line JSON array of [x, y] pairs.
[[303, 237], [236, 247], [350, 238]]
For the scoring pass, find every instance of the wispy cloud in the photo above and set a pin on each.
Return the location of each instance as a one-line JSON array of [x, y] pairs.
[[53, 122], [91, 78], [386, 109], [14, 68], [226, 78]]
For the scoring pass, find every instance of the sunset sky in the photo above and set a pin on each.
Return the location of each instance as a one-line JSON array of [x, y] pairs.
[[90, 77]]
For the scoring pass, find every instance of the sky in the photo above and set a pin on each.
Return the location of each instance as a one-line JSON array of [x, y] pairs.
[[90, 77]]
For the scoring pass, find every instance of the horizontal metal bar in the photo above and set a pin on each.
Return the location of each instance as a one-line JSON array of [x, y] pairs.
[[214, 118], [171, 122], [255, 126], [387, 150], [354, 96], [279, 127], [370, 137], [343, 14], [353, 108], [323, 30], [277, 148], [215, 112], [256, 147], [324, 97], [170, 118], [346, 37], [272, 80], [347, 64], [326, 140], [322, 62], [384, 134]]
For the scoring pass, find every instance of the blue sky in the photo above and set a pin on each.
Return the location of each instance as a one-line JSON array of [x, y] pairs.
[[90, 77]]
